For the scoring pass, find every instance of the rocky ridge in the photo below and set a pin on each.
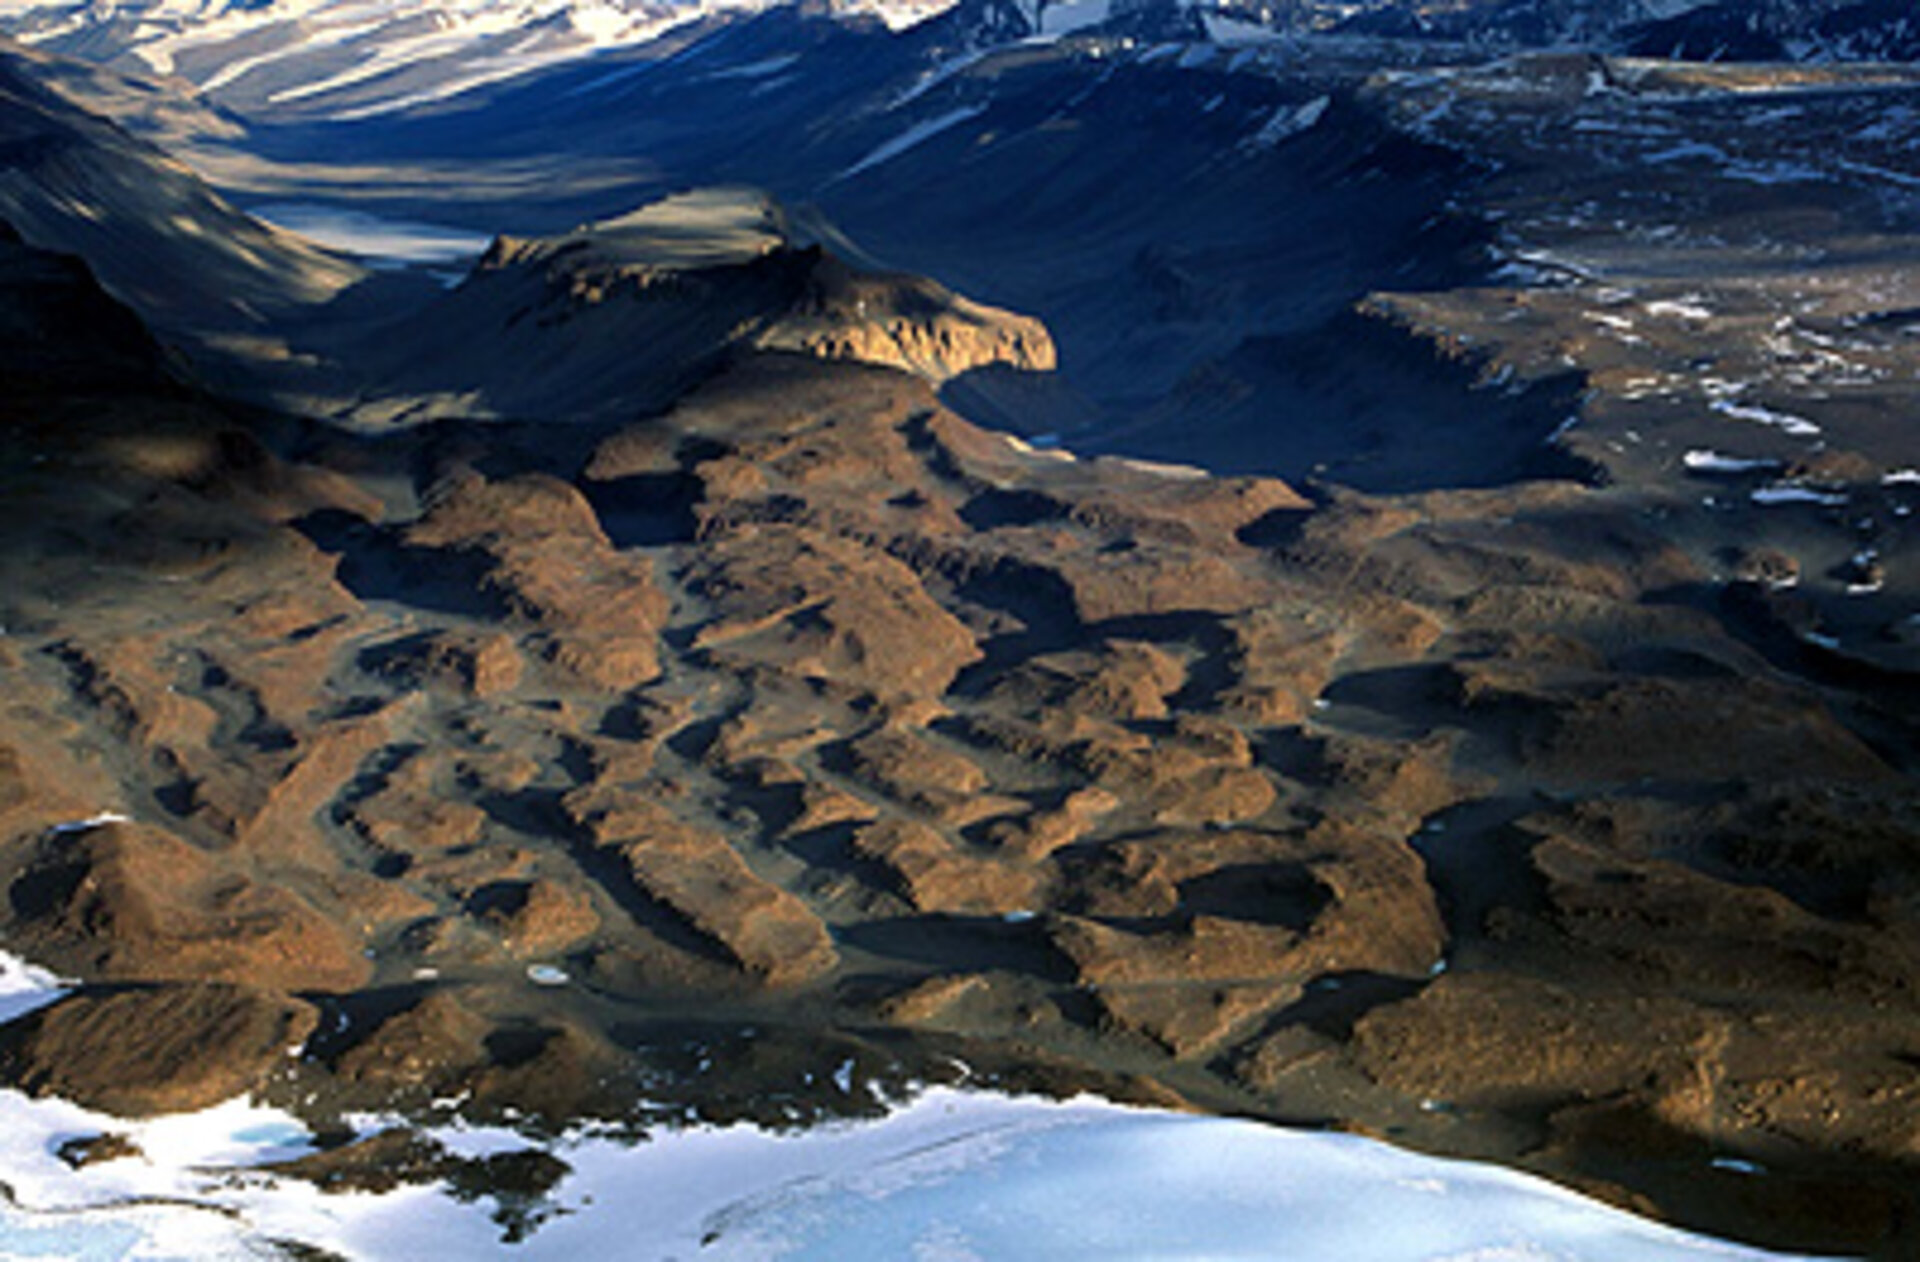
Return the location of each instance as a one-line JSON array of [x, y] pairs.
[[483, 763], [544, 328]]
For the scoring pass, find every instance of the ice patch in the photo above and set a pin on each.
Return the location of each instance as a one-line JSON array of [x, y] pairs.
[[373, 237], [25, 987], [1683, 152], [1063, 19], [954, 1174], [1703, 460], [1679, 309], [1789, 493], [918, 134], [90, 823], [1230, 33], [1154, 468], [1288, 121], [1798, 426], [1775, 173], [757, 69]]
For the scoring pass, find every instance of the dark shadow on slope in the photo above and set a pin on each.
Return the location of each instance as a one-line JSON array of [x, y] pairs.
[[1363, 402], [375, 566]]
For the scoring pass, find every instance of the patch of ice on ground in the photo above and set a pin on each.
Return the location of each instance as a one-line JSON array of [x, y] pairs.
[[1288, 121], [371, 236], [918, 134], [1704, 460], [25, 987], [1786, 422], [757, 69], [1157, 469], [1791, 493], [1680, 308], [953, 1174], [91, 822]]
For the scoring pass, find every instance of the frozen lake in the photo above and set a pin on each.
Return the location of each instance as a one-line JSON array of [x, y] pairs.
[[374, 238]]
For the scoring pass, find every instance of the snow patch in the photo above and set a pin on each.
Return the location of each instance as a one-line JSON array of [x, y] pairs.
[[1157, 469], [1797, 426], [1680, 309], [918, 134], [1288, 121], [25, 987], [1705, 460], [757, 69], [1793, 493], [373, 237], [90, 823], [954, 1174]]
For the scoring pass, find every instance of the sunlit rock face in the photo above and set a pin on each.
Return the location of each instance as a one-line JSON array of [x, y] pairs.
[[547, 328]]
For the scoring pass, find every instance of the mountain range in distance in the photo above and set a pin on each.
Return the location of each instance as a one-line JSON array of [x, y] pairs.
[[330, 58]]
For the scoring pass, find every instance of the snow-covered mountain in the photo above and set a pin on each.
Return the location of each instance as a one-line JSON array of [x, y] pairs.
[[342, 57], [1512, 23], [1697, 30], [1786, 30]]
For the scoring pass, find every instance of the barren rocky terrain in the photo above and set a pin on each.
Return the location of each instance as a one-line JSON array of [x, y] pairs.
[[645, 697]]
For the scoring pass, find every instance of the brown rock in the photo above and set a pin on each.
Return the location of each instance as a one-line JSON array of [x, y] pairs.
[[1035, 836], [1190, 1021], [476, 664], [536, 918], [1672, 729], [1504, 1040], [1120, 680], [421, 1050], [166, 1049], [125, 902], [594, 611], [932, 1000], [700, 880], [823, 608], [937, 876], [923, 775]]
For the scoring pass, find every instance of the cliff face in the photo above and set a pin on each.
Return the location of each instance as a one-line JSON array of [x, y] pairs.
[[622, 315], [905, 322]]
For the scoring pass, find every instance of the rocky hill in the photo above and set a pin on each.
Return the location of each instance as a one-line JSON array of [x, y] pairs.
[[547, 328]]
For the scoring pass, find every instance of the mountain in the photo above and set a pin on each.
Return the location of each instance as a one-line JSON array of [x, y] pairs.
[[547, 328], [208, 277], [324, 58], [1696, 30], [1785, 30]]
